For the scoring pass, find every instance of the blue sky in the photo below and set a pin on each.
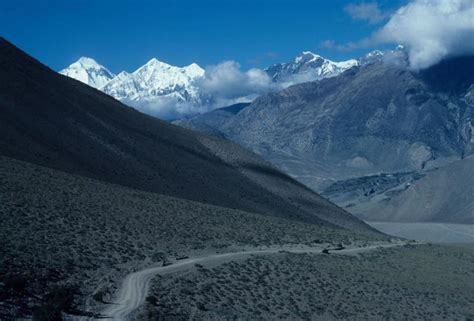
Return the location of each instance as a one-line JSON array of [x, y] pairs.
[[123, 35]]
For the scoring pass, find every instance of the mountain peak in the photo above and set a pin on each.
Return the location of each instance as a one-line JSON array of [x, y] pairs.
[[88, 71], [194, 70], [89, 62], [153, 62], [123, 74], [307, 56], [309, 53]]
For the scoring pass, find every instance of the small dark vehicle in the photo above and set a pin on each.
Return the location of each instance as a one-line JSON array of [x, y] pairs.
[[182, 257], [166, 263], [339, 247]]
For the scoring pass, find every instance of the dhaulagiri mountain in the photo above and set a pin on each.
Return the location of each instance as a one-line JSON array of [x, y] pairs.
[[153, 86], [372, 129]]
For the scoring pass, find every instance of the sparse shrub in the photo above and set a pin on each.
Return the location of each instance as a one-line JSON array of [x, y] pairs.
[[99, 296], [16, 283], [152, 300], [59, 299], [45, 313]]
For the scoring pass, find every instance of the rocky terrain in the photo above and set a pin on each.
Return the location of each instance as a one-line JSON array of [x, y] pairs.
[[361, 193], [378, 119]]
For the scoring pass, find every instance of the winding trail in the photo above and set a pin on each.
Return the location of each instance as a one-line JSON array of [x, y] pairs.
[[134, 289]]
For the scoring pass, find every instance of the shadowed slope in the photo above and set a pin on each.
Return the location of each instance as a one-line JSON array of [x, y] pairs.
[[54, 121]]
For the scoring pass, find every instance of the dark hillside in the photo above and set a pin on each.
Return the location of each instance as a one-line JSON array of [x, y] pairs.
[[54, 121]]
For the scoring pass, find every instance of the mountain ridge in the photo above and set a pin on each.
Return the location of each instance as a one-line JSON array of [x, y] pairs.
[[376, 118]]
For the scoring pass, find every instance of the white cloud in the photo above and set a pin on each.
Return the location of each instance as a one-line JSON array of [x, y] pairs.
[[222, 85], [431, 30], [366, 12], [227, 81]]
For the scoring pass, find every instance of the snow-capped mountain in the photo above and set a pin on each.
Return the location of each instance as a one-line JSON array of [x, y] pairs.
[[88, 71], [156, 88], [167, 91], [308, 66], [154, 79]]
